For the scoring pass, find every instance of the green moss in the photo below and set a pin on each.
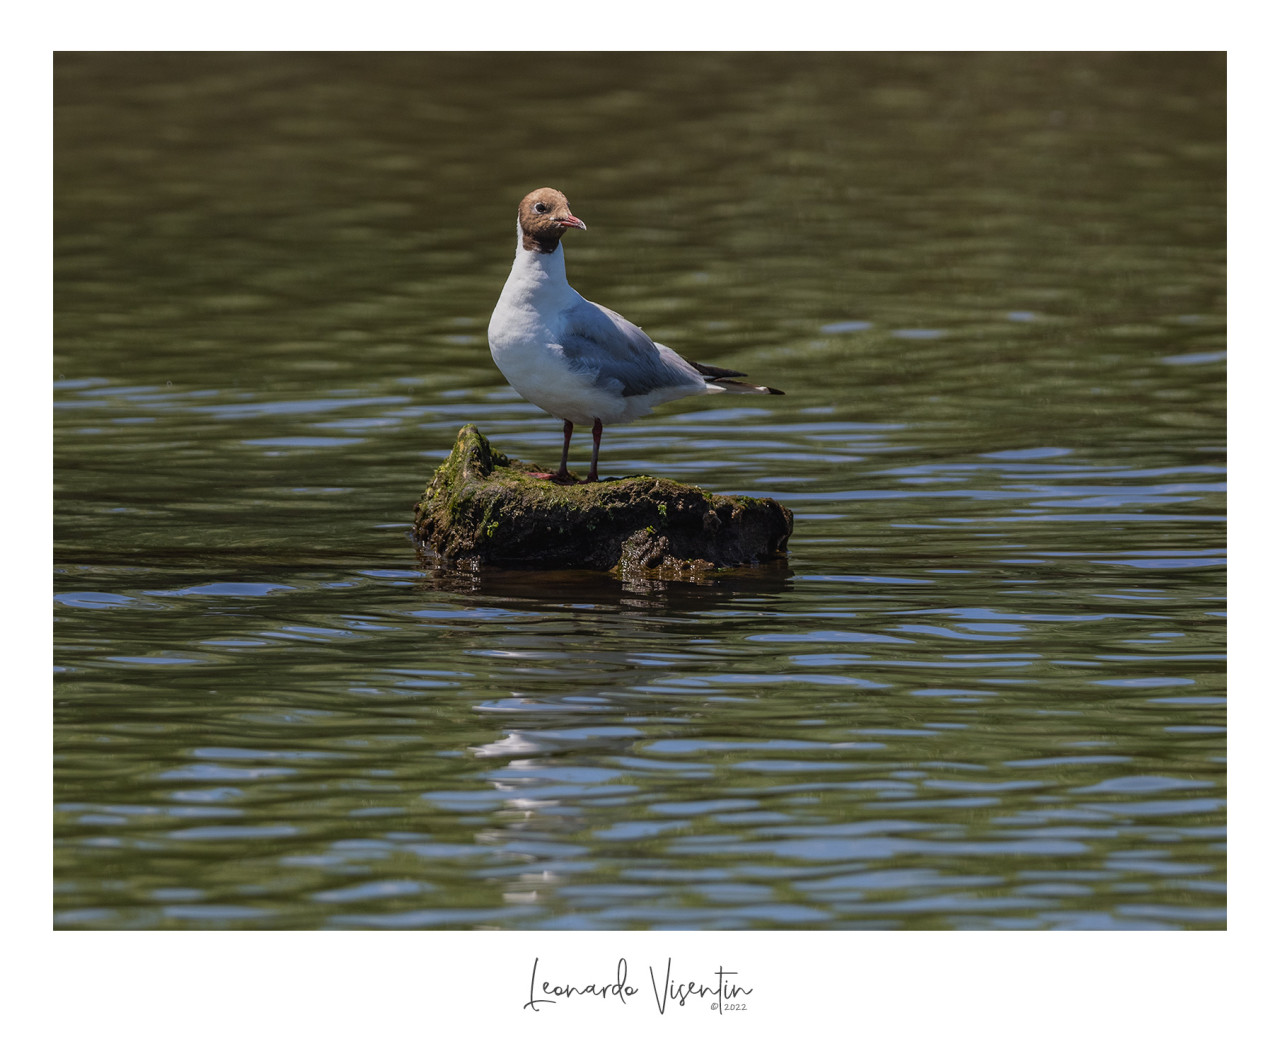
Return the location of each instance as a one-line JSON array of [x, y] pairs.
[[482, 507]]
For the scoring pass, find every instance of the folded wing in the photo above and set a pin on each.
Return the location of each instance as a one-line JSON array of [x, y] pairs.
[[620, 357]]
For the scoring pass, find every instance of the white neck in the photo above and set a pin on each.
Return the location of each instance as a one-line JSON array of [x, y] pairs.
[[538, 277]]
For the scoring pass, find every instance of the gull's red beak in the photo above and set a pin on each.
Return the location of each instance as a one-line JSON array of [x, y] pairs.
[[569, 220]]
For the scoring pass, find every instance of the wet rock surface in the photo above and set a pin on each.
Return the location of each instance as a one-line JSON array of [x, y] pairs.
[[482, 508]]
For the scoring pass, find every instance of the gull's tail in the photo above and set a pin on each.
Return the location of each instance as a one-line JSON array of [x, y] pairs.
[[723, 379]]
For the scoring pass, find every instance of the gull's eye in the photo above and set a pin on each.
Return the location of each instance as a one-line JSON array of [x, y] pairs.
[[540, 207]]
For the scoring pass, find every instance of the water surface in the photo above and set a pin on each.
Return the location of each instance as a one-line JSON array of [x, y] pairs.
[[985, 690]]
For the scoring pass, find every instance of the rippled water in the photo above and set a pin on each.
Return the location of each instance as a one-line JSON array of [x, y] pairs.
[[985, 690]]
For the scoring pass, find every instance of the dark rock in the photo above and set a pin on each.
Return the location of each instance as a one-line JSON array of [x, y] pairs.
[[481, 508]]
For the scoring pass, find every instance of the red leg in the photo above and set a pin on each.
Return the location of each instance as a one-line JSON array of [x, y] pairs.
[[562, 474], [597, 427]]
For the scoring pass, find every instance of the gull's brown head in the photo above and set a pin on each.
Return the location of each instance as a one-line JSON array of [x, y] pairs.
[[544, 217]]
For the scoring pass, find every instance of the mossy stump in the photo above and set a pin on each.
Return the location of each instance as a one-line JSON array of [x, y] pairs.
[[481, 508]]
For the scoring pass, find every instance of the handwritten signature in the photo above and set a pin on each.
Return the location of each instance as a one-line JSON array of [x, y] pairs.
[[726, 995]]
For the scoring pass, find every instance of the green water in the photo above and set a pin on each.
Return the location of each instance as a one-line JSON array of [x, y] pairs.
[[985, 690]]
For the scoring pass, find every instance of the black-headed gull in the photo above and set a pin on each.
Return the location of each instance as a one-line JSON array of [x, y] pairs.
[[575, 359]]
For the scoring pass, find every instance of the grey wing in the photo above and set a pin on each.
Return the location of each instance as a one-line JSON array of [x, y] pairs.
[[619, 355]]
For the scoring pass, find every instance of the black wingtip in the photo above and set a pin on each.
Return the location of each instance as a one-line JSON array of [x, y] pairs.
[[733, 386], [713, 373]]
